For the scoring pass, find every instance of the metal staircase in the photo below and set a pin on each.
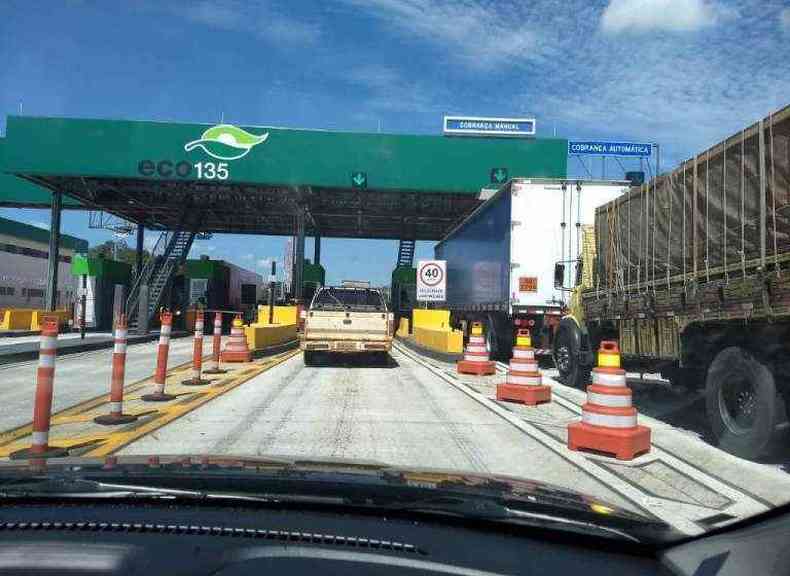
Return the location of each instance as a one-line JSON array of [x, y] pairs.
[[406, 253], [168, 254]]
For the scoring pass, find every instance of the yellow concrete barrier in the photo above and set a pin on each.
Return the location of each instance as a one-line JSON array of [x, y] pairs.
[[38, 316], [261, 336], [282, 314], [16, 319], [431, 318], [447, 341]]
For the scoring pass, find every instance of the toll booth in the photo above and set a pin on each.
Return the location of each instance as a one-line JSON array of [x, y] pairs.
[[403, 291], [215, 285], [313, 278], [100, 279]]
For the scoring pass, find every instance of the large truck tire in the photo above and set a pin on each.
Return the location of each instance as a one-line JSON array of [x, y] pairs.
[[567, 355], [499, 336], [740, 398]]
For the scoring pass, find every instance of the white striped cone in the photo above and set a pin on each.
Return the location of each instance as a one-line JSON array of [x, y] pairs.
[[216, 342], [197, 347], [236, 349], [118, 367], [611, 377], [477, 348], [525, 352], [477, 340], [160, 375], [609, 417], [524, 378], [476, 356], [45, 380], [609, 420], [523, 365], [609, 400]]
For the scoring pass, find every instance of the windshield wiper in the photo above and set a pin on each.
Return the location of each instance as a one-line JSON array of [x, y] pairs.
[[488, 509], [475, 508]]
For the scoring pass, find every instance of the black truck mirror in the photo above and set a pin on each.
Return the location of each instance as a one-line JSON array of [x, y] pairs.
[[559, 274]]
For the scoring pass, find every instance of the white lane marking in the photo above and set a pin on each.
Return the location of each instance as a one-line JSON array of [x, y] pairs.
[[680, 515]]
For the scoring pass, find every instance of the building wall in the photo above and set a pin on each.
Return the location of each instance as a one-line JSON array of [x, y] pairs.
[[23, 274]]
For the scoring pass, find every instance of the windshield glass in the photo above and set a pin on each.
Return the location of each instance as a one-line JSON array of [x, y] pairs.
[[550, 241], [348, 299]]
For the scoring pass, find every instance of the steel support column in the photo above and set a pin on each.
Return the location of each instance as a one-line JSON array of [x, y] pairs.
[[317, 250], [54, 251], [138, 260], [298, 264]]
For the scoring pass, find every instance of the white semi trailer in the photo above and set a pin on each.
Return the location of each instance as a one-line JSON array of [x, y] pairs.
[[501, 259]]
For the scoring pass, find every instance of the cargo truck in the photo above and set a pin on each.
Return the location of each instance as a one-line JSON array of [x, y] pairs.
[[690, 274], [500, 260]]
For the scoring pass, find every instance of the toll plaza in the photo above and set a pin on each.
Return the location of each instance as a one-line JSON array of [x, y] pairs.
[[180, 180], [438, 400]]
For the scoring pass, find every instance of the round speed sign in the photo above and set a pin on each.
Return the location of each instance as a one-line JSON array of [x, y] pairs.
[[431, 274]]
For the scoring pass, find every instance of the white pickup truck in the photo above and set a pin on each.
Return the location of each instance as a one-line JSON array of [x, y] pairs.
[[345, 320]]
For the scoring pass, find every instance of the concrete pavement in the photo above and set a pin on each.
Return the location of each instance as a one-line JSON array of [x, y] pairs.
[[399, 415], [420, 412], [78, 377]]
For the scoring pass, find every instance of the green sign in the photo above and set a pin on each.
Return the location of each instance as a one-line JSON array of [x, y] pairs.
[[276, 157], [359, 180], [498, 175]]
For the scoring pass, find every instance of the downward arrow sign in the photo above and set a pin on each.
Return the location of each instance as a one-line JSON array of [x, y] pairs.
[[359, 179]]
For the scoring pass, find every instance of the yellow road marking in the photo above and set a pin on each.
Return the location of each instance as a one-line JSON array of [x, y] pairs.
[[108, 440], [84, 406]]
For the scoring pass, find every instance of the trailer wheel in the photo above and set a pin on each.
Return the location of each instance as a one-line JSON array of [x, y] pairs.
[[498, 337], [567, 343], [740, 397]]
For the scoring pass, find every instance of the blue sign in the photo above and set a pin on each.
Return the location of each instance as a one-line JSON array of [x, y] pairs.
[[478, 126], [610, 148]]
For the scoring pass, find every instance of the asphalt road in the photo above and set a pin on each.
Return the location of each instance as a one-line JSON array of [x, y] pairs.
[[78, 377]]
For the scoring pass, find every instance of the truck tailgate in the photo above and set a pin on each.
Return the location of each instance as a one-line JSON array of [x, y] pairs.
[[330, 325]]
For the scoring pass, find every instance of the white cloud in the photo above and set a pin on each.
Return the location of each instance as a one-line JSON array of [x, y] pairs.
[[480, 34], [248, 256], [668, 15], [375, 77], [784, 19], [257, 19]]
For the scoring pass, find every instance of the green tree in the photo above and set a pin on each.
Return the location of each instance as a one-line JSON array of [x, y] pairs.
[[121, 251]]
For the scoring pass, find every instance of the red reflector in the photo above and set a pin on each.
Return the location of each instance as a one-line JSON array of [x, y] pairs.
[[531, 323]]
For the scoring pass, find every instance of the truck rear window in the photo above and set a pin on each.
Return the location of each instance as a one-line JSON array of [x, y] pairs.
[[348, 299]]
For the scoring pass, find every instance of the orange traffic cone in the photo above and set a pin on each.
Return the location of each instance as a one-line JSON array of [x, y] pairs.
[[236, 349], [608, 419], [476, 354], [524, 383]]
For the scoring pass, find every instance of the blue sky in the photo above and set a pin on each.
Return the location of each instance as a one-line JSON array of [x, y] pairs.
[[684, 73]]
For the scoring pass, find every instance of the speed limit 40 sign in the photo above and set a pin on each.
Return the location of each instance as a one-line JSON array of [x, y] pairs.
[[431, 280]]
